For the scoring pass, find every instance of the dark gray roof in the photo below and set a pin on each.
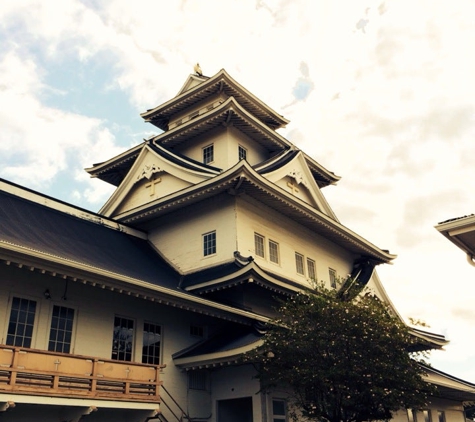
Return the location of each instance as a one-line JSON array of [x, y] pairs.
[[41, 228], [231, 338], [456, 219], [227, 275]]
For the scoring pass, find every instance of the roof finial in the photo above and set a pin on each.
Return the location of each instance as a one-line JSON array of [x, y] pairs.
[[198, 70]]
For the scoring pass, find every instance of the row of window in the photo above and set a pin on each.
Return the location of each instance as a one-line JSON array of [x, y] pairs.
[[123, 341], [428, 415], [22, 319], [303, 266], [259, 247], [208, 153]]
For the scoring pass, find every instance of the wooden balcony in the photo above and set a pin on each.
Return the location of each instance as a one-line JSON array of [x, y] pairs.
[[39, 372]]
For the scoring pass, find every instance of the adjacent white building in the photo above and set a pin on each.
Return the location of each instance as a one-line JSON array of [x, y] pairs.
[[141, 311]]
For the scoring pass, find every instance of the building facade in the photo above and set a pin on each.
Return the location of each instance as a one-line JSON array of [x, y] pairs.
[[141, 312]]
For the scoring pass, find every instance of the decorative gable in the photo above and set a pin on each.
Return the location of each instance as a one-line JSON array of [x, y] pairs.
[[191, 82], [296, 178], [153, 176]]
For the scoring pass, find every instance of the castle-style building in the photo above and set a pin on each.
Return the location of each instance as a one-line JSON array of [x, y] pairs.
[[142, 311]]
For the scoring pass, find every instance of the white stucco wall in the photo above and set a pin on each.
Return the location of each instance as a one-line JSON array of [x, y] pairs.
[[255, 217], [178, 236], [226, 142]]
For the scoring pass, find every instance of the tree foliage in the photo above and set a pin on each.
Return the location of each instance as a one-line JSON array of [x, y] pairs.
[[342, 361]]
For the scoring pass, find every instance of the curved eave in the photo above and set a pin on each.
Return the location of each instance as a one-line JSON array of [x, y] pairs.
[[251, 273], [183, 161], [211, 360], [114, 170], [35, 260], [427, 340], [461, 232], [230, 112], [321, 175], [258, 187], [450, 387], [221, 82]]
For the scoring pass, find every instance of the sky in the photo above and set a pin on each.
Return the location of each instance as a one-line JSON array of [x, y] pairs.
[[379, 92]]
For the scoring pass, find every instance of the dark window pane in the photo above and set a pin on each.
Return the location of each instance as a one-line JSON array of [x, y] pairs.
[[61, 329]]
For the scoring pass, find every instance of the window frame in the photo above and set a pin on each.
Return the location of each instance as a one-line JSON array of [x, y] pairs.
[[411, 415], [333, 276], [311, 269], [242, 153], [278, 417], [197, 330], [262, 246], [209, 243], [26, 340], [129, 355], [53, 343], [198, 380], [299, 263], [274, 251], [152, 358], [208, 153]]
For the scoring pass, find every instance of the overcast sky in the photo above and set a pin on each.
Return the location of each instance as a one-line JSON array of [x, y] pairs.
[[379, 92]]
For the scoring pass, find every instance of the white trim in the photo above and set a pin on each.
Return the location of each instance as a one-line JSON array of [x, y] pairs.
[[86, 403]]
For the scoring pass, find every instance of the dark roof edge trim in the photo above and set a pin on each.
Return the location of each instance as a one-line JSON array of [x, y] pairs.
[[60, 206]]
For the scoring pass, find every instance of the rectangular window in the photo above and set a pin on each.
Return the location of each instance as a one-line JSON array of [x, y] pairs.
[[208, 154], [279, 411], [152, 336], [312, 273], [332, 274], [299, 263], [209, 243], [242, 152], [61, 330], [273, 251], [441, 415], [198, 380], [259, 245], [197, 331], [22, 320], [427, 416], [411, 415], [123, 339]]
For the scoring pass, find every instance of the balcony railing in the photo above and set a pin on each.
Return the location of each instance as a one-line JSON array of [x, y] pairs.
[[31, 371]]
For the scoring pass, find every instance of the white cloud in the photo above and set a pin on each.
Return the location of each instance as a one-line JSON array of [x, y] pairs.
[[38, 142]]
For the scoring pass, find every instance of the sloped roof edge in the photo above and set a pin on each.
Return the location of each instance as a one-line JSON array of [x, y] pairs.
[[241, 173], [222, 77], [246, 272], [231, 104]]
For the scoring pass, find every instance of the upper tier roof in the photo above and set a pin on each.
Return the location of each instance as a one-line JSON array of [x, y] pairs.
[[219, 83], [114, 170]]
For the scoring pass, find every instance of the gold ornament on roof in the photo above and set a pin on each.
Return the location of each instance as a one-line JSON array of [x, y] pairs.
[[198, 70]]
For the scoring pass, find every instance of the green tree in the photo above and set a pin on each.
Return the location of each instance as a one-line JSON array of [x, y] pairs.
[[343, 361]]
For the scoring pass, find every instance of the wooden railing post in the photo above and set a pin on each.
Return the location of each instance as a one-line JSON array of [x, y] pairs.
[[14, 364], [94, 376]]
